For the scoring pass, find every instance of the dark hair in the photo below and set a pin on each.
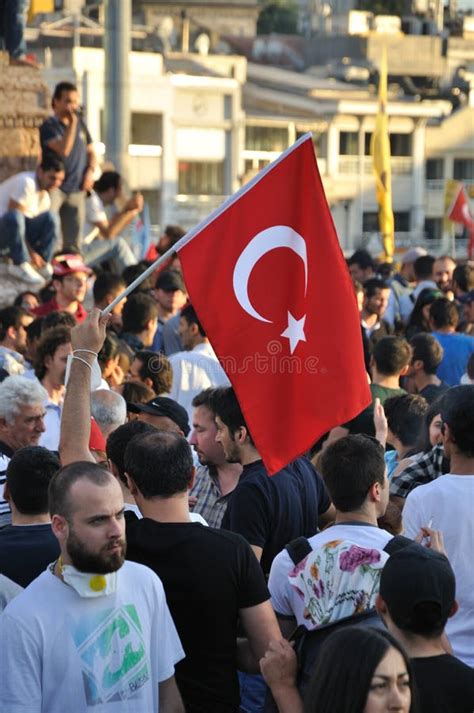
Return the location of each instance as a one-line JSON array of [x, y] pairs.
[[470, 366], [62, 482], [189, 314], [104, 284], [50, 162], [405, 415], [109, 179], [174, 233], [363, 259], [136, 393], [350, 466], [131, 272], [63, 87], [58, 319], [417, 322], [138, 310], [109, 349], [344, 669], [160, 463], [225, 405], [50, 340], [391, 355], [457, 411], [444, 313], [463, 277], [34, 330], [28, 476], [119, 439], [157, 368], [423, 267], [10, 317], [424, 443], [375, 283], [427, 349], [204, 398], [18, 301]]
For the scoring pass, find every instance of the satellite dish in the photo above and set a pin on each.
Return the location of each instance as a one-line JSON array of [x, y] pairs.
[[202, 44]]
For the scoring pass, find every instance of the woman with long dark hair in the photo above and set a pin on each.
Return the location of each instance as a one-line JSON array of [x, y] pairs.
[[419, 318], [357, 671]]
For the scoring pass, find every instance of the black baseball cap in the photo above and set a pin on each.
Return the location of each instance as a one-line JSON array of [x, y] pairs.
[[170, 281], [164, 406], [413, 575]]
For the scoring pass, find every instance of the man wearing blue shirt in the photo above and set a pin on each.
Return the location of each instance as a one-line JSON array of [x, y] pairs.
[[66, 135], [444, 318]]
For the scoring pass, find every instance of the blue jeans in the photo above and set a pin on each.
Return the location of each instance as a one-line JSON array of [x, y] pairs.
[[253, 690], [17, 231], [116, 251], [12, 26]]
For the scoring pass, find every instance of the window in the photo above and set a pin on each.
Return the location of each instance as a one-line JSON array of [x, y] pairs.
[[319, 142], [201, 178], [463, 169], [434, 228], [266, 138], [400, 144], [146, 129], [402, 221], [348, 143], [434, 169], [370, 222]]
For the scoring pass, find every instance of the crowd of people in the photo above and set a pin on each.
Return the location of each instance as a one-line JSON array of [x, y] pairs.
[[147, 561]]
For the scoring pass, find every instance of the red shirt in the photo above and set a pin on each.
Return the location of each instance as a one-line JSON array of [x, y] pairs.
[[52, 306]]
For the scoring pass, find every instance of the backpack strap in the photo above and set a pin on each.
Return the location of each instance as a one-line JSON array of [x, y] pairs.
[[298, 549]]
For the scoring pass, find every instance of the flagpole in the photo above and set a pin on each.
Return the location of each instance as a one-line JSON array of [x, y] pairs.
[[204, 223]]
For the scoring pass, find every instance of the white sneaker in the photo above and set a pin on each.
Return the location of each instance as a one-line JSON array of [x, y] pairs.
[[46, 271], [27, 273]]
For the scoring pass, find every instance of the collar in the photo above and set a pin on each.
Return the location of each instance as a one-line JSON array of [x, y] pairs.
[[6, 450]]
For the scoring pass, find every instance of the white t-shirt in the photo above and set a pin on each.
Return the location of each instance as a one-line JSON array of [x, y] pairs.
[[285, 600], [22, 188], [67, 654], [449, 502], [193, 372], [95, 213]]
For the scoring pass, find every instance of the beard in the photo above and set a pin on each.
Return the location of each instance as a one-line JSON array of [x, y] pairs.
[[103, 562]]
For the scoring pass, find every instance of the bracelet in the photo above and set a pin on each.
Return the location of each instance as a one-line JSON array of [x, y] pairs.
[[88, 351], [83, 361]]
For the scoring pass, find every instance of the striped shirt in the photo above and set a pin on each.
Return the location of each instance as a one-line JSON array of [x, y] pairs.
[[211, 504], [5, 456]]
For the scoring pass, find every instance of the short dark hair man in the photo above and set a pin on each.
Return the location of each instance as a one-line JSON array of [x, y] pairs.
[[355, 475], [416, 600], [13, 342], [153, 370], [227, 583], [216, 478], [423, 271], [28, 545], [426, 358], [65, 135], [140, 320], [443, 270], [444, 318], [268, 512], [446, 503], [361, 266], [27, 226], [118, 641], [107, 286]]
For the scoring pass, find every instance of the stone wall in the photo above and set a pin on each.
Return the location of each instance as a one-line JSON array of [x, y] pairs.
[[24, 104]]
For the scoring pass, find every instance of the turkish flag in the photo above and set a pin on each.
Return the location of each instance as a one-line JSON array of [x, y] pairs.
[[460, 213], [271, 287]]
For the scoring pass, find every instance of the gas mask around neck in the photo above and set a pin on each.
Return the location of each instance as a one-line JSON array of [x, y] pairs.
[[88, 584]]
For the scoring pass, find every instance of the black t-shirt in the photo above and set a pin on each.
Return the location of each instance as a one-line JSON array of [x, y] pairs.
[[26, 551], [432, 392], [364, 422], [208, 576], [445, 684], [271, 511]]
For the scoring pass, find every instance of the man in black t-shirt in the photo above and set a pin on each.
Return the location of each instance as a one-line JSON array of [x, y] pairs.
[[211, 578], [66, 135], [268, 511], [417, 596]]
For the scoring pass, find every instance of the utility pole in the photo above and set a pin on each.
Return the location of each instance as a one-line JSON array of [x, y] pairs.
[[117, 46]]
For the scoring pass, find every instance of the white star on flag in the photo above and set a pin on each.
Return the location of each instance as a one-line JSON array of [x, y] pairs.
[[295, 331]]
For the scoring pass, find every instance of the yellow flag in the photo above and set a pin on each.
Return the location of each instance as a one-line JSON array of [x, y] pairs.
[[380, 151]]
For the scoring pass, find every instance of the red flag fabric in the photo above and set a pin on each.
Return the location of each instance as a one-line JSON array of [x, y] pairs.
[[459, 211], [270, 285]]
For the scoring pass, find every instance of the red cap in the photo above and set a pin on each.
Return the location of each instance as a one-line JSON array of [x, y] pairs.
[[96, 440], [69, 264]]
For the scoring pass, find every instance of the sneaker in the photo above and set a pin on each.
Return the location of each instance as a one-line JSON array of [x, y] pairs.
[[27, 273], [46, 271]]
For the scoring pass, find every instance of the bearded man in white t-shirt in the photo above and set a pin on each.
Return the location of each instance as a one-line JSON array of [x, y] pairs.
[[28, 228], [355, 475], [92, 631]]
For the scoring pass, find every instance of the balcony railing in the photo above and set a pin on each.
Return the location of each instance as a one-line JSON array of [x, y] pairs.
[[354, 165]]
